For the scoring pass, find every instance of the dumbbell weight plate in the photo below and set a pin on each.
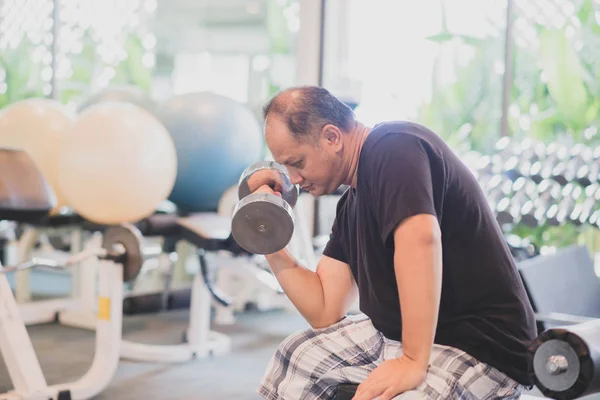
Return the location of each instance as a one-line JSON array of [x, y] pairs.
[[545, 370], [262, 223], [289, 191], [566, 360], [124, 245]]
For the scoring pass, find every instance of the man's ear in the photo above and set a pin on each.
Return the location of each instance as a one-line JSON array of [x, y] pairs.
[[332, 134]]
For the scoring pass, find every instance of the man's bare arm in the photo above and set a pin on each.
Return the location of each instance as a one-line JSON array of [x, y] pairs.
[[418, 267], [322, 297]]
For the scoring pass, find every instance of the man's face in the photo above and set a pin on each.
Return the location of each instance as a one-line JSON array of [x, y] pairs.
[[315, 165]]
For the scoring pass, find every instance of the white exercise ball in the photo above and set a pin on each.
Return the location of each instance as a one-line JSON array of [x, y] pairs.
[[38, 126], [228, 201], [118, 164]]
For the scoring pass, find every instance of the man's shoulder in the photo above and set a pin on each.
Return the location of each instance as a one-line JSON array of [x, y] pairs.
[[399, 146], [385, 134], [398, 126], [398, 137]]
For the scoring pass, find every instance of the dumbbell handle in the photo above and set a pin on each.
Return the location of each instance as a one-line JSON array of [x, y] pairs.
[[289, 192], [263, 223]]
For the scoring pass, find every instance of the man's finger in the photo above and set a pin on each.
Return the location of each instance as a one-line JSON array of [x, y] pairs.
[[389, 394], [367, 393]]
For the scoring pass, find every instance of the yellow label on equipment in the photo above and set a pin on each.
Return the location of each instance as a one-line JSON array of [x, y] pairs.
[[104, 308]]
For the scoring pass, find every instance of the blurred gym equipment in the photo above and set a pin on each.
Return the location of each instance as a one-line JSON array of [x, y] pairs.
[[117, 164], [121, 94], [26, 196], [38, 126], [216, 138]]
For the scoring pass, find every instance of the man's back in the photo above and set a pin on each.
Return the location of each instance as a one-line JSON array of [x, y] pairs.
[[404, 170]]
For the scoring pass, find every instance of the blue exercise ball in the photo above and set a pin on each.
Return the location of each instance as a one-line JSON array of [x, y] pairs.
[[216, 138]]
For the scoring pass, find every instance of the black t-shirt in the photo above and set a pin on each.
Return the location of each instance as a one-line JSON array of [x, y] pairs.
[[404, 170]]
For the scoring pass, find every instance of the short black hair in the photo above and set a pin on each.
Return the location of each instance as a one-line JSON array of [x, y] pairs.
[[307, 108]]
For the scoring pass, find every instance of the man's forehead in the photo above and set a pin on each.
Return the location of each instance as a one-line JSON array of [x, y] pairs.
[[284, 148], [286, 156], [285, 152], [276, 132], [274, 122]]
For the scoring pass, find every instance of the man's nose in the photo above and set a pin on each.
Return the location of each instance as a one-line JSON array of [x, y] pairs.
[[295, 177]]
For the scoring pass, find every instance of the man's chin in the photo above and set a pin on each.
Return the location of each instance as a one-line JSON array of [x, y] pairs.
[[318, 191], [312, 190]]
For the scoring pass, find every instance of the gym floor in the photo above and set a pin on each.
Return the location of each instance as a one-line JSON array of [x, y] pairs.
[[66, 354]]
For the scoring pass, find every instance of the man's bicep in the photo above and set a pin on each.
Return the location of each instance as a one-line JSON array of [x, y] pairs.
[[339, 287], [333, 269]]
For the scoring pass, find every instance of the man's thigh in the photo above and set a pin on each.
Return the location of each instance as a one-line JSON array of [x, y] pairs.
[[311, 363], [454, 374]]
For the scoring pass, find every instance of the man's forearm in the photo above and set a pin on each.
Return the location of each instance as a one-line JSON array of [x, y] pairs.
[[418, 266], [302, 286]]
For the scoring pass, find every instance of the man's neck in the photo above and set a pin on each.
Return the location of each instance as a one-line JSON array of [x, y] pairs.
[[356, 140]]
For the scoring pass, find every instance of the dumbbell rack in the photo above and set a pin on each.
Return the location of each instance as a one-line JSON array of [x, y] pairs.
[[532, 185]]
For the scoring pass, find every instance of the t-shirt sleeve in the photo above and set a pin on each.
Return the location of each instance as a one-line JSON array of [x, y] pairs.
[[400, 181], [334, 248]]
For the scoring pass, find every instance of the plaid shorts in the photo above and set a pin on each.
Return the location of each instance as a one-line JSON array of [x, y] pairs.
[[310, 364]]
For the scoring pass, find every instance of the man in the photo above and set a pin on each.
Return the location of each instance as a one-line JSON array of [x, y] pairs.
[[446, 313]]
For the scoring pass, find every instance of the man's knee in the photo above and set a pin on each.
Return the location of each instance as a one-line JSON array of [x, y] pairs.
[[292, 343], [291, 373], [313, 343]]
